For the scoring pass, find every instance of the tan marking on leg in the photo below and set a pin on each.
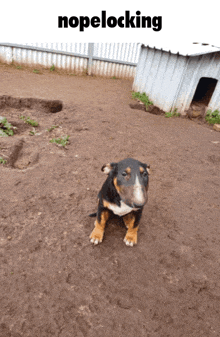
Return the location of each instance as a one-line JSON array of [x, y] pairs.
[[131, 235], [98, 232]]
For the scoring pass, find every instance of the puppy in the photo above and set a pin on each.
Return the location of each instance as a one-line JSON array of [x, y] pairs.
[[124, 193]]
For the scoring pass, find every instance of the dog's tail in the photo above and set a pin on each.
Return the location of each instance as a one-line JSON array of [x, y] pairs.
[[93, 215]]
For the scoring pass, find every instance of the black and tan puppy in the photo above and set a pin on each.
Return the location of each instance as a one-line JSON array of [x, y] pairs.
[[124, 193]]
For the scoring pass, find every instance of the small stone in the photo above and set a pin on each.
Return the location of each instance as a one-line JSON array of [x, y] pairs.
[[196, 113], [216, 127], [9, 237]]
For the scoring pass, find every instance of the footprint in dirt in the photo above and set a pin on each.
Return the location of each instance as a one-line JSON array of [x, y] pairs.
[[22, 156]]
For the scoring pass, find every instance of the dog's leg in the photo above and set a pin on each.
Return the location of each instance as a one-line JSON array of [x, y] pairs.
[[131, 221], [98, 232]]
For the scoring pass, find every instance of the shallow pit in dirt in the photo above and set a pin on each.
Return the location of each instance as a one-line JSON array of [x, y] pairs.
[[30, 103], [21, 154], [151, 108], [21, 150]]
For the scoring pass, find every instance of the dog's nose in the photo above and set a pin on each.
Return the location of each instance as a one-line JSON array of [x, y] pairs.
[[138, 205]]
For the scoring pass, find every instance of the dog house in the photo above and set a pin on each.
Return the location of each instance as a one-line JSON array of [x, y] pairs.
[[174, 78]]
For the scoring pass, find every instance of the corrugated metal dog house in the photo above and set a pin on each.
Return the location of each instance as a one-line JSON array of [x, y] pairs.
[[174, 78]]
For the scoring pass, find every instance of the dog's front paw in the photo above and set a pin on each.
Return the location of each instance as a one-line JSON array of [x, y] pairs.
[[130, 239], [96, 236]]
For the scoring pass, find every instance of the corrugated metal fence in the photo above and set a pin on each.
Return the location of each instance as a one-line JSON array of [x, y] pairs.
[[103, 59]]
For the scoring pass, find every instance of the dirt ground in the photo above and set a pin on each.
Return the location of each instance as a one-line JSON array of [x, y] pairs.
[[53, 281]]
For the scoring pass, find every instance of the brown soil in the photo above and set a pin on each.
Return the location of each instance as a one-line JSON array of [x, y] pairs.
[[53, 281]]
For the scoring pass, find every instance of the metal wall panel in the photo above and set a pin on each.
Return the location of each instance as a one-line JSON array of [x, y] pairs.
[[79, 48], [108, 69], [159, 74], [105, 59], [46, 59], [128, 52], [71, 63], [170, 80], [5, 54], [207, 65]]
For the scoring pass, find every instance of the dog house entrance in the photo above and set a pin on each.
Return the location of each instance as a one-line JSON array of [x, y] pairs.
[[204, 90]]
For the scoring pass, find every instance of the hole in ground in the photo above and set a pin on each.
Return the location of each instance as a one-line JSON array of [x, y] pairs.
[[31, 103]]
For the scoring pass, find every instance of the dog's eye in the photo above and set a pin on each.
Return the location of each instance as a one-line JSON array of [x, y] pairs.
[[144, 174], [124, 174]]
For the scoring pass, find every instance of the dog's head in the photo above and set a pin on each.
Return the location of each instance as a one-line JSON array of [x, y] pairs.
[[130, 179]]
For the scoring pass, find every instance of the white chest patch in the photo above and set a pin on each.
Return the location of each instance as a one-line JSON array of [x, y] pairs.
[[122, 210]]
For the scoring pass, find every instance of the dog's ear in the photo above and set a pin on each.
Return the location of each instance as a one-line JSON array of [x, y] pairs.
[[107, 168], [147, 167]]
